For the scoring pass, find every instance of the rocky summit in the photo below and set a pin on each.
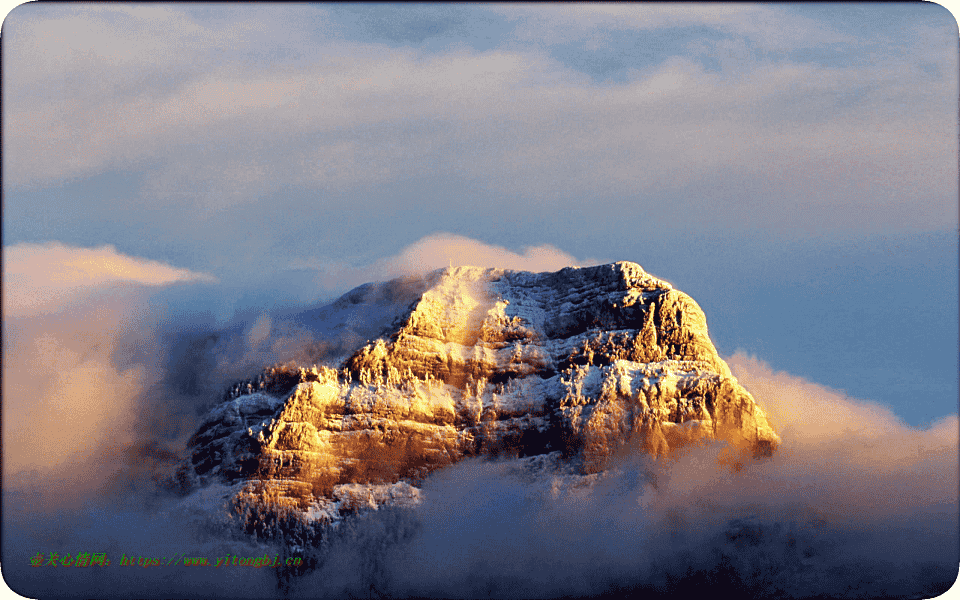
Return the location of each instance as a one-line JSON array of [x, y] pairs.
[[572, 367]]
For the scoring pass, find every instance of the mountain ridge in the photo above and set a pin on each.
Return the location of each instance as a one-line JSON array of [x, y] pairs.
[[577, 365]]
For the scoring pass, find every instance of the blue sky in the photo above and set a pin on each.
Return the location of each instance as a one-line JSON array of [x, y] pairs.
[[792, 167]]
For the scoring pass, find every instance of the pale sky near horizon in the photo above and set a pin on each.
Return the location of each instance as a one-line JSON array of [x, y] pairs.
[[792, 167]]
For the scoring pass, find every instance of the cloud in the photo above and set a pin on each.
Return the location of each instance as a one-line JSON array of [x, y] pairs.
[[440, 250], [435, 251], [79, 348], [42, 278], [850, 454], [763, 141], [774, 27], [66, 404], [808, 411]]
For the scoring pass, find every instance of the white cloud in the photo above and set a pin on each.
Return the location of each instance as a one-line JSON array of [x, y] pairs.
[[436, 251], [440, 250], [228, 127], [42, 278]]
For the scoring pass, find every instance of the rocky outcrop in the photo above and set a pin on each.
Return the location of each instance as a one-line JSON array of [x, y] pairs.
[[582, 363]]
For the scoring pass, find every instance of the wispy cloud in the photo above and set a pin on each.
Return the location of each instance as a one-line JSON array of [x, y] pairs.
[[760, 141], [440, 250], [435, 251], [773, 27], [41, 278]]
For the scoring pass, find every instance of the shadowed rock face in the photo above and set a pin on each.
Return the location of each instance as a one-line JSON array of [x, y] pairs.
[[584, 362]]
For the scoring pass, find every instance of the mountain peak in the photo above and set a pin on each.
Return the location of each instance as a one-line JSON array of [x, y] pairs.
[[579, 364]]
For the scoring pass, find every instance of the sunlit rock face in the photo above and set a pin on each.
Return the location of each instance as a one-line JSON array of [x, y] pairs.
[[584, 363]]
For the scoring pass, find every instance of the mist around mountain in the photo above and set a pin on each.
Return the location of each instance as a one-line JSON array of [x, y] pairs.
[[853, 504]]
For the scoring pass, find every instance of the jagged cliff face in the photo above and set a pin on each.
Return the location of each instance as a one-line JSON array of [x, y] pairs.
[[583, 363]]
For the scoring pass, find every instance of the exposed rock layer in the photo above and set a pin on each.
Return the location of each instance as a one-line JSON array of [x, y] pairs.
[[583, 362]]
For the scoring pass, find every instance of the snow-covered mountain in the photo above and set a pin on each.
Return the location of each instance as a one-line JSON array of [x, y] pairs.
[[568, 369]]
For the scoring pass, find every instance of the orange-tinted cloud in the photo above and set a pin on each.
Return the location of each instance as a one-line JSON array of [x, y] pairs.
[[68, 312], [41, 278], [849, 456], [438, 251]]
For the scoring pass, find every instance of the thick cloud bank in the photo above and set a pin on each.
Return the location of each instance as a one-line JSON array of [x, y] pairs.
[[746, 99], [864, 457], [78, 348]]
